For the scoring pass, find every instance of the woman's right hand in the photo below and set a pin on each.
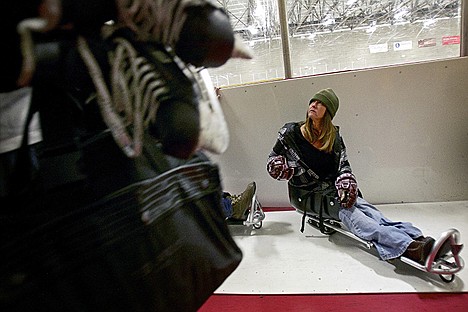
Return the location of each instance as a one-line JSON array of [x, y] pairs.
[[278, 168]]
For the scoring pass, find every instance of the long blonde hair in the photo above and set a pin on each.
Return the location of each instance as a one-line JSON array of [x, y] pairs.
[[326, 137]]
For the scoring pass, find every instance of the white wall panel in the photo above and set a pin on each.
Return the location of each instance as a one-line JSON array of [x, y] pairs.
[[405, 128]]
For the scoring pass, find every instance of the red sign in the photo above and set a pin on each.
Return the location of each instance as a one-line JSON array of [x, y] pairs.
[[450, 40]]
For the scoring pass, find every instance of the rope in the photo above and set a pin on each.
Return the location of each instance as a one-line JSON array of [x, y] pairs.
[[160, 20], [133, 101]]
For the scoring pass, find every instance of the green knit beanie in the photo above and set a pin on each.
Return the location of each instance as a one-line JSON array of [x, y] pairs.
[[329, 99]]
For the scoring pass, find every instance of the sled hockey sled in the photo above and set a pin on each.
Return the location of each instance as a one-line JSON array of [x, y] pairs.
[[444, 259], [253, 216]]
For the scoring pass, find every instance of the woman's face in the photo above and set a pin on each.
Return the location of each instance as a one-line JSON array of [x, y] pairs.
[[316, 110]]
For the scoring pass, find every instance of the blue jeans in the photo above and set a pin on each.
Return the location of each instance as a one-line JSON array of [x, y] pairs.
[[366, 222], [227, 206]]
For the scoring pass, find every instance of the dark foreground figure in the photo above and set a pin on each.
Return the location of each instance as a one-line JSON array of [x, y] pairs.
[[117, 208]]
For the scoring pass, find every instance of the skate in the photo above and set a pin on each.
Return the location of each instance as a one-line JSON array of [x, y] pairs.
[[444, 259], [253, 215]]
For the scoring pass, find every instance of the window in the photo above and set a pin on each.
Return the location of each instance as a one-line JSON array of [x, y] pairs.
[[337, 35]]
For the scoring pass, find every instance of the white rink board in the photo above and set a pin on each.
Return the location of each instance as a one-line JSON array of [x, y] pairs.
[[405, 128]]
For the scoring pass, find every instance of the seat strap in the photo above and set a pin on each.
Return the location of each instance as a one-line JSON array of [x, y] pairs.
[[320, 201], [303, 220]]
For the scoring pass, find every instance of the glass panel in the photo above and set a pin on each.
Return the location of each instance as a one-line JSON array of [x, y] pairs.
[[337, 35], [257, 23], [329, 36]]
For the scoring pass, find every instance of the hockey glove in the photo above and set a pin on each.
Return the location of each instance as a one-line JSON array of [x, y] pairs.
[[278, 168], [347, 189]]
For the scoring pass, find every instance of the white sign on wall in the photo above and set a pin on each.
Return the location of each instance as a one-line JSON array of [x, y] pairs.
[[378, 48], [402, 45]]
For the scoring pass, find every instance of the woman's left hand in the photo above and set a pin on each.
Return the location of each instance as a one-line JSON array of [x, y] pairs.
[[347, 187]]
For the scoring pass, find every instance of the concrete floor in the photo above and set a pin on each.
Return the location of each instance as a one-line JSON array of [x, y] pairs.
[[279, 259]]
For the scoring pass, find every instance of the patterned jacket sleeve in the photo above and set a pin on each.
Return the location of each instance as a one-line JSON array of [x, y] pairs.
[[279, 155], [279, 149], [344, 165]]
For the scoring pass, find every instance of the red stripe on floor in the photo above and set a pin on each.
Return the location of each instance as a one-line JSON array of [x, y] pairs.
[[273, 209], [408, 302]]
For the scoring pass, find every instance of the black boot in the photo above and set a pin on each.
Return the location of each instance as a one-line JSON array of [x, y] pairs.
[[419, 249]]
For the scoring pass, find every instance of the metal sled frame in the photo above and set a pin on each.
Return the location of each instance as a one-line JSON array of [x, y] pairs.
[[445, 266], [254, 217]]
